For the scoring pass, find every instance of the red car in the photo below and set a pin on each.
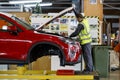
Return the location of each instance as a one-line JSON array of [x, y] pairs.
[[22, 44]]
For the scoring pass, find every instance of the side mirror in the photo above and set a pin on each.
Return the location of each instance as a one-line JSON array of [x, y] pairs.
[[9, 28], [4, 27]]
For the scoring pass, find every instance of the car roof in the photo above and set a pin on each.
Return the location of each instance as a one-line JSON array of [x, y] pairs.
[[54, 17]]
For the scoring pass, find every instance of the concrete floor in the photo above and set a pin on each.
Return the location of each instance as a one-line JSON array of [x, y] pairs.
[[114, 75]]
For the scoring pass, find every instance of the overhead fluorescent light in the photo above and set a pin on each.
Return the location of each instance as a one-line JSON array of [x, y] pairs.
[[22, 2], [45, 4], [4, 3], [41, 4]]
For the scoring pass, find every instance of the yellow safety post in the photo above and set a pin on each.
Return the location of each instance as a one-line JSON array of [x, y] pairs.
[[21, 69]]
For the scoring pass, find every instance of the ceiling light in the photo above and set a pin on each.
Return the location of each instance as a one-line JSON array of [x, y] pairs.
[[41, 4], [4, 3], [22, 2]]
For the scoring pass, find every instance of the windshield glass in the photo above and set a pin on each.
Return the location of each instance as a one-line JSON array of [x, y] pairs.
[[23, 23]]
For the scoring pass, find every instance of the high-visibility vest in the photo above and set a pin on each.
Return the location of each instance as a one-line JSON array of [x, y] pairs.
[[84, 35]]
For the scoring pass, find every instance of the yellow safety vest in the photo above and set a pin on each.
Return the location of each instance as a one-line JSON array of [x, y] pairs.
[[84, 35]]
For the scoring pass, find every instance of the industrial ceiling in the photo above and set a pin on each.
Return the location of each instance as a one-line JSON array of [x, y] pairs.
[[111, 7], [57, 5]]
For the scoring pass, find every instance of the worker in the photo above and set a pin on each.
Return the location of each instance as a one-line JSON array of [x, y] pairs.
[[83, 31]]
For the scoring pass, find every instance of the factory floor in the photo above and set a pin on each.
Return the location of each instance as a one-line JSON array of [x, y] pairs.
[[114, 75]]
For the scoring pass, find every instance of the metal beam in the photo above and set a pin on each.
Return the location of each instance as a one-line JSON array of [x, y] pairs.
[[62, 2], [118, 8], [111, 16], [4, 3], [54, 7], [10, 10], [112, 3], [110, 7], [111, 0]]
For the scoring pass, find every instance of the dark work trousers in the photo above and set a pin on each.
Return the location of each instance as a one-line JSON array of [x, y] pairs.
[[86, 48]]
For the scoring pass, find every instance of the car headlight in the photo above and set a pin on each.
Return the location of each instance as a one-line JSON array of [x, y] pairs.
[[67, 40]]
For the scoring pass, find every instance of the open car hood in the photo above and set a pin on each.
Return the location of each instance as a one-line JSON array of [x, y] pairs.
[[54, 17]]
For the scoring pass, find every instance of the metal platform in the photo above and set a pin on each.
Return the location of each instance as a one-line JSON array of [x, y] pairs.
[[23, 73]]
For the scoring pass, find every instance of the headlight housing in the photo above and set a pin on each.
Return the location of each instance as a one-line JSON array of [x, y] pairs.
[[73, 48], [67, 40]]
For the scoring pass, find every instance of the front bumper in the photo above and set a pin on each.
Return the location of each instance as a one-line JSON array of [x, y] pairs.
[[75, 62], [74, 53]]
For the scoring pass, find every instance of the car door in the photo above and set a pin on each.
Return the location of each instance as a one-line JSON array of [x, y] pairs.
[[3, 36], [3, 43], [12, 46]]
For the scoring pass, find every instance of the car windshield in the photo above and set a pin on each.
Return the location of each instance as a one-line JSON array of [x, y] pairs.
[[23, 23]]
